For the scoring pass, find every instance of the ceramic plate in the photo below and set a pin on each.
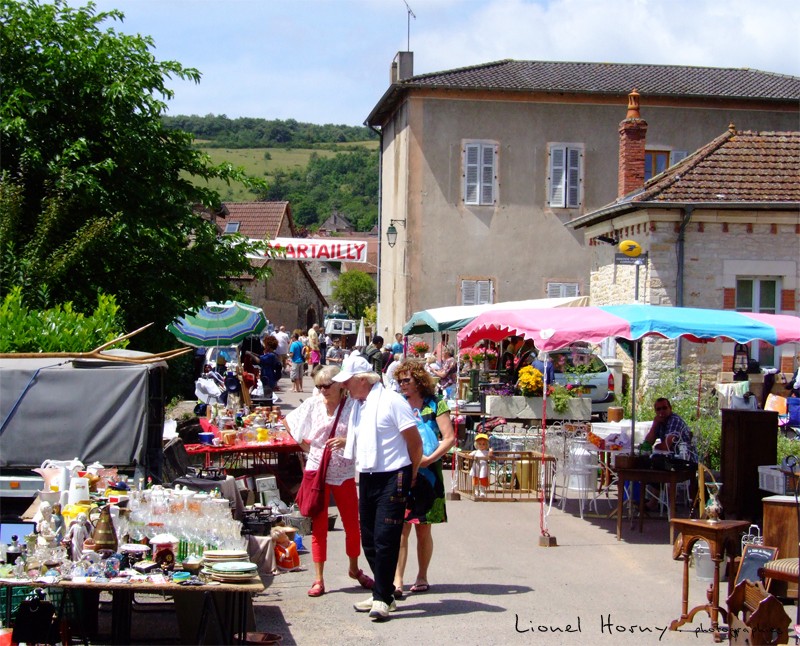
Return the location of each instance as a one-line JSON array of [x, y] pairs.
[[224, 554], [234, 567]]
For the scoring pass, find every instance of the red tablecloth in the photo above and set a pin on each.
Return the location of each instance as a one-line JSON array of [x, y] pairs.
[[286, 445]]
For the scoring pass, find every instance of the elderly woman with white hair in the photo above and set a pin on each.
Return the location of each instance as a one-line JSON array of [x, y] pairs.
[[312, 425], [384, 440]]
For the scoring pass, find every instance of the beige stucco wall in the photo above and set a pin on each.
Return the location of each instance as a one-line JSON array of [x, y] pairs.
[[520, 242]]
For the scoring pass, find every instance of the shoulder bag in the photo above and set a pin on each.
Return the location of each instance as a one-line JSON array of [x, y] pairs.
[[310, 498]]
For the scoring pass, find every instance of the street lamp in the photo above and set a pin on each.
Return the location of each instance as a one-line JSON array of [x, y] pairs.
[[391, 232]]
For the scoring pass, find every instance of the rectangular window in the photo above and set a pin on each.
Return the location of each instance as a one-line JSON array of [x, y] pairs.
[[657, 161], [480, 173], [566, 175], [562, 290], [759, 295], [477, 292], [232, 227]]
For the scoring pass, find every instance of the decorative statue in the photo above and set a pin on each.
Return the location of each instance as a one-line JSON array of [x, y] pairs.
[[46, 529], [58, 523], [79, 530], [480, 465]]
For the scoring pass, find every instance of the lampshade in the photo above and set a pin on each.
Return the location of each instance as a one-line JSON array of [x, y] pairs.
[[391, 235]]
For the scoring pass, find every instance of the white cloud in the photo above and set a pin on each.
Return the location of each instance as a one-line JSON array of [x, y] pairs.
[[328, 60]]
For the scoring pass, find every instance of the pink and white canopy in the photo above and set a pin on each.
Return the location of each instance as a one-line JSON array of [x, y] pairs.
[[556, 328]]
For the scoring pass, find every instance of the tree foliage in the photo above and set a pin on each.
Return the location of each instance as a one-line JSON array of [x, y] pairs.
[[346, 182], [248, 132], [96, 195], [355, 290]]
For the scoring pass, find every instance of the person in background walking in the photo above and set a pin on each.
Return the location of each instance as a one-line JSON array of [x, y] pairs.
[[324, 342], [397, 346], [296, 349], [373, 354], [283, 345], [384, 440]]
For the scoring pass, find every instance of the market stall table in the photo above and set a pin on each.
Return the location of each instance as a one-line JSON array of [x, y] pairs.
[[225, 603], [644, 477], [722, 536]]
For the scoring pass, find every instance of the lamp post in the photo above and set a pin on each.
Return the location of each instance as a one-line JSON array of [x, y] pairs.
[[391, 232], [630, 253]]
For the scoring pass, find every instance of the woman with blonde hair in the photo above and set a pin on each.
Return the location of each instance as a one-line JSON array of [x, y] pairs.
[[312, 426]]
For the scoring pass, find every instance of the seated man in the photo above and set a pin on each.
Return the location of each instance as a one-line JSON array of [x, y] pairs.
[[668, 430]]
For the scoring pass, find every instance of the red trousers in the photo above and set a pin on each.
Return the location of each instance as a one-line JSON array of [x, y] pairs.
[[346, 499]]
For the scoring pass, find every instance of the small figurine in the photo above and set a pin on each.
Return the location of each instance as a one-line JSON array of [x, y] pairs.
[[45, 528], [79, 530], [480, 465], [286, 556], [58, 523]]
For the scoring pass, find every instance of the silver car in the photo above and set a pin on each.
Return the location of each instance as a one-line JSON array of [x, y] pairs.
[[580, 367]]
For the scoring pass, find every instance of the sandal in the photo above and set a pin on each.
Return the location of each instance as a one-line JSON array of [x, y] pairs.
[[364, 580], [420, 587], [317, 589], [398, 593]]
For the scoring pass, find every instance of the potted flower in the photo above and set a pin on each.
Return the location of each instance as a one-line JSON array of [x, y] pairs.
[[530, 382], [420, 348]]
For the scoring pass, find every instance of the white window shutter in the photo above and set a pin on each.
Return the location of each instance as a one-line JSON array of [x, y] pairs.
[[471, 173], [468, 292], [484, 292], [487, 174], [557, 175], [562, 290], [677, 155], [573, 177]]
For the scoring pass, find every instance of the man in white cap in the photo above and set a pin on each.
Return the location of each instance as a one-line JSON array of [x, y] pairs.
[[386, 445]]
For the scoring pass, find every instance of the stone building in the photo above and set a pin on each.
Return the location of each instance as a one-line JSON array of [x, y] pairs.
[[721, 230]]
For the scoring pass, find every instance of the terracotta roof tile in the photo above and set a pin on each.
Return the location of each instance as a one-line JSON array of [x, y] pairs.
[[257, 219], [738, 166]]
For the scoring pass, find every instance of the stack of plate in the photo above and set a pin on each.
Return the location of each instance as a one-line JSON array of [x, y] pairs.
[[233, 572], [229, 566]]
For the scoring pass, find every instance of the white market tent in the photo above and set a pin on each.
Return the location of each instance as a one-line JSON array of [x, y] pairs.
[[456, 317]]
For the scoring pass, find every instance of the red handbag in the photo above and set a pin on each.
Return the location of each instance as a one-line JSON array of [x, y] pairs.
[[310, 498]]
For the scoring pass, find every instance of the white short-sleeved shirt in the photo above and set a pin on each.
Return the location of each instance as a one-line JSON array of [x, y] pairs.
[[386, 414], [310, 422]]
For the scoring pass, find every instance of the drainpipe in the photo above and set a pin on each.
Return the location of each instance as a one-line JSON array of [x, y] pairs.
[[380, 219], [680, 249]]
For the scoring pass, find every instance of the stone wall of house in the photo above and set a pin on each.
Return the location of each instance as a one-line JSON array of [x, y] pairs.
[[720, 246], [287, 297]]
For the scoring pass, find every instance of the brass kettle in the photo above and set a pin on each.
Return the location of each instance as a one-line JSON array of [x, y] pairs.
[[104, 535]]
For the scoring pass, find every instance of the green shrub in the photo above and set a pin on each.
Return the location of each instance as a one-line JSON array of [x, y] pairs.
[[58, 329]]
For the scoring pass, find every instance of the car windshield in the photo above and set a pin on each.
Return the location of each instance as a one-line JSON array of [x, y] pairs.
[[579, 360]]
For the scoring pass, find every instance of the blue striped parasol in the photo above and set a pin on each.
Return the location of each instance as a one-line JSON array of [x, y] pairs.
[[227, 323]]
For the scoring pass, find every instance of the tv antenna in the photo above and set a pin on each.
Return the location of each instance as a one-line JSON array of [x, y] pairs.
[[410, 16]]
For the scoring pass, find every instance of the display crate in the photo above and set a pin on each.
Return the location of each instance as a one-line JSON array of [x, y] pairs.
[[772, 479]]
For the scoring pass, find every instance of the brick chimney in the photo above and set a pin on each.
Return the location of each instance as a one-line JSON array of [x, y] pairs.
[[402, 67], [632, 132]]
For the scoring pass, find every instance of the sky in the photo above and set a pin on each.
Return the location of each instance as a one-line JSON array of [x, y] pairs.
[[328, 61]]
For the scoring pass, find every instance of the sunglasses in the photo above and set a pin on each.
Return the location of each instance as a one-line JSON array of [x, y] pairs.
[[324, 386], [404, 381]]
